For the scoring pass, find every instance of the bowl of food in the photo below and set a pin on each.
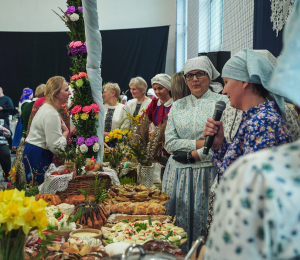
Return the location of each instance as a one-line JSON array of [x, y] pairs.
[[65, 230], [86, 232]]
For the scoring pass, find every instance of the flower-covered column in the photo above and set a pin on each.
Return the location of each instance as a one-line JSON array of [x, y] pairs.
[[94, 48]]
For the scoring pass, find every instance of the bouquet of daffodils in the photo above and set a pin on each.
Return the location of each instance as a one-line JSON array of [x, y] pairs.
[[18, 214]]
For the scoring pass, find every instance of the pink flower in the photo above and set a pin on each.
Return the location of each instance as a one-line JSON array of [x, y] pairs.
[[76, 109], [71, 45], [77, 44], [95, 107], [85, 44], [82, 74], [86, 109], [74, 77]]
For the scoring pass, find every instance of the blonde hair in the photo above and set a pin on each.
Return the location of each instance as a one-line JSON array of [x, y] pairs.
[[179, 88], [139, 83], [113, 87], [53, 86], [40, 91]]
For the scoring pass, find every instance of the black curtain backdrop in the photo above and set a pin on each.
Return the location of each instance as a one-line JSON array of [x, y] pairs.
[[263, 35], [31, 58]]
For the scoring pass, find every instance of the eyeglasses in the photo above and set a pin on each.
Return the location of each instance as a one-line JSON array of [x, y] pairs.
[[199, 75]]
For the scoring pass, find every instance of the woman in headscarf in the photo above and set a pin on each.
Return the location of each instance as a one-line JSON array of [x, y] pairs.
[[262, 189], [187, 182], [159, 107], [246, 76], [27, 95]]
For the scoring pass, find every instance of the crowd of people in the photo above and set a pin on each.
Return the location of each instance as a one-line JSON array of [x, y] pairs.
[[246, 208]]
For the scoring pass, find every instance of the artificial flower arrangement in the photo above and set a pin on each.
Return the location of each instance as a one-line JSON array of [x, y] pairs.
[[18, 214], [84, 116], [77, 48], [73, 19], [116, 148]]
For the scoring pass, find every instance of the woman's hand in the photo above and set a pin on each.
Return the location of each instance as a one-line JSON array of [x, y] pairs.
[[214, 128], [106, 134], [64, 128], [5, 131], [151, 132]]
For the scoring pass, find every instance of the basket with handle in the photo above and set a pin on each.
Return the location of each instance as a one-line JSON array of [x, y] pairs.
[[82, 182]]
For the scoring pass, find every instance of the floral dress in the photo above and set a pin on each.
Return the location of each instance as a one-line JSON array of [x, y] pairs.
[[261, 127], [257, 214], [188, 185]]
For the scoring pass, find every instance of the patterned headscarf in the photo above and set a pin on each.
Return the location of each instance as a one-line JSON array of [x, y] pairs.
[[26, 94], [162, 79], [203, 63], [286, 77], [250, 66]]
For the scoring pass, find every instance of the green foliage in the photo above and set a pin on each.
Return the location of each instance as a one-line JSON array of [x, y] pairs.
[[100, 193], [33, 191], [126, 180]]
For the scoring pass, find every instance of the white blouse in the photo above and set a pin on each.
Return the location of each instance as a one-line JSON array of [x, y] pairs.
[[118, 114], [144, 105], [45, 130]]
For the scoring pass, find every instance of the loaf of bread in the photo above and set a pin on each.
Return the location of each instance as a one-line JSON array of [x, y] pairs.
[[138, 208], [77, 199]]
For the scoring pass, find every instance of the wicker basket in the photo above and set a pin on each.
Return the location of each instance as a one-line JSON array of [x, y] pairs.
[[82, 182]]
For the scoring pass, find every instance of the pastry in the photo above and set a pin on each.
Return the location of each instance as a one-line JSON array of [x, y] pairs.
[[52, 199], [138, 208]]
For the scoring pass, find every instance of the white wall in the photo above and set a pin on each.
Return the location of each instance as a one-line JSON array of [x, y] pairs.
[[36, 16]]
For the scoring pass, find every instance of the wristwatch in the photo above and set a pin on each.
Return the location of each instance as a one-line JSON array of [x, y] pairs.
[[190, 158]]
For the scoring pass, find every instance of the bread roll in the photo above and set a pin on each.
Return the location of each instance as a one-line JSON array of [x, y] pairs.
[[138, 208]]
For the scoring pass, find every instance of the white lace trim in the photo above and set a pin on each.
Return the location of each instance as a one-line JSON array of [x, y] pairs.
[[54, 183], [281, 10]]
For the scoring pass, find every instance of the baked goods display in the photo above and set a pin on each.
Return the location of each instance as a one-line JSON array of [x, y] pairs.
[[91, 215], [52, 199], [161, 246], [116, 218], [138, 208], [140, 193], [140, 232]]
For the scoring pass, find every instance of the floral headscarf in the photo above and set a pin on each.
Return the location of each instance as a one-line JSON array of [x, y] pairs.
[[27, 92]]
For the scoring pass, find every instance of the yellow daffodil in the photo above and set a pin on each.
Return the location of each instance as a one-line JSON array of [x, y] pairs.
[[96, 116], [110, 135], [119, 137], [84, 116], [76, 116], [18, 211], [115, 131], [107, 139]]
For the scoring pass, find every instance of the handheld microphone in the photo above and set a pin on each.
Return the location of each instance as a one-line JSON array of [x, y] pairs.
[[219, 108]]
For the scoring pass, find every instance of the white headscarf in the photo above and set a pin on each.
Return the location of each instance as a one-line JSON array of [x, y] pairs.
[[162, 79], [203, 63]]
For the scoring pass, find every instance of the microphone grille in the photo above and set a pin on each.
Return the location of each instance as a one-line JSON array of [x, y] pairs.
[[220, 105]]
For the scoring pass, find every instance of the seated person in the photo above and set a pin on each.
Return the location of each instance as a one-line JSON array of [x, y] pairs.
[[256, 212]]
